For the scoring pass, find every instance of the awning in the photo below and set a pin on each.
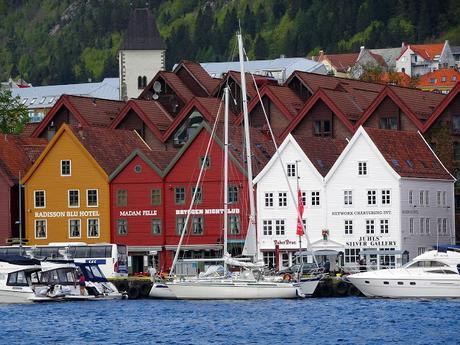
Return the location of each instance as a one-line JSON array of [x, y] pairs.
[[324, 252]]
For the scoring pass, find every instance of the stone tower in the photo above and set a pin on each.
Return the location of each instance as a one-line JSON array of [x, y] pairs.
[[142, 54]]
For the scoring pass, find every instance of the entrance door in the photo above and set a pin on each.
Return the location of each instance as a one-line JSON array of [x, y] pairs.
[[137, 262]]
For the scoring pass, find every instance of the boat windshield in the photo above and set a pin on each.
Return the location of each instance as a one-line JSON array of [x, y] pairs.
[[442, 271], [426, 263], [59, 276], [92, 272]]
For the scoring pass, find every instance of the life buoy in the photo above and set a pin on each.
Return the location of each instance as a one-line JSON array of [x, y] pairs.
[[287, 277]]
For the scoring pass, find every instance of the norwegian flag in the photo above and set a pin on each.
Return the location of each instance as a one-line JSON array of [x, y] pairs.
[[299, 231]]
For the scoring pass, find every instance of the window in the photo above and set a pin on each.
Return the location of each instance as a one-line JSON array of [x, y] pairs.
[[269, 199], [122, 227], [40, 228], [443, 78], [234, 224], [180, 224], [282, 199], [291, 171], [304, 198], [453, 78], [389, 122], [386, 197], [421, 250], [411, 197], [362, 168], [270, 259], [348, 197], [348, 227], [197, 225], [427, 198], [39, 196], [421, 198], [439, 226], [93, 227], [74, 198], [351, 255], [198, 196], [315, 198], [322, 128], [384, 226], [427, 226], [457, 150], [122, 198], [456, 123], [66, 168], [422, 226], [370, 226], [155, 196], [232, 194], [179, 195], [438, 198], [371, 197], [279, 227], [137, 169], [411, 226], [268, 227], [444, 198], [91, 198], [206, 162], [74, 228], [156, 226], [444, 226]]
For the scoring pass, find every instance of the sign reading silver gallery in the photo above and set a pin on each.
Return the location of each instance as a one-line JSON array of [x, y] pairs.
[[370, 241]]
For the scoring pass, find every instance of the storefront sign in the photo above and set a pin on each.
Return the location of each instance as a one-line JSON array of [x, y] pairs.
[[361, 213], [285, 242], [209, 211], [62, 214], [371, 241], [138, 213]]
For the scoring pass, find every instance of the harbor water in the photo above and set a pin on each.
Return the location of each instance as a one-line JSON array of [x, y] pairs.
[[352, 320]]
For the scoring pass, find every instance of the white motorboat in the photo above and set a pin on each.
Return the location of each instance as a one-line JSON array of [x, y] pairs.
[[96, 283], [16, 276], [432, 274]]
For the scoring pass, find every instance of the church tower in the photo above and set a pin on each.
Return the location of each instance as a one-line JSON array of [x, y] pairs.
[[142, 54]]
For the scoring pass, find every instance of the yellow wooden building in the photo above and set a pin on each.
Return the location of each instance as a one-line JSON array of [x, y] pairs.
[[67, 195]]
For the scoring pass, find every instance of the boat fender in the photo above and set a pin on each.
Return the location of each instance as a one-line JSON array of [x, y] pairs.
[[133, 292], [145, 289], [122, 286], [325, 290], [287, 277], [341, 288], [353, 291]]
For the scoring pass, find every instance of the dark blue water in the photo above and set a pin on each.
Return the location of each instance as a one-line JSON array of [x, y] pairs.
[[352, 320]]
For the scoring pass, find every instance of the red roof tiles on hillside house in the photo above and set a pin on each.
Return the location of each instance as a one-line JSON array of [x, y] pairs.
[[322, 152], [442, 79], [426, 51], [408, 154], [341, 62]]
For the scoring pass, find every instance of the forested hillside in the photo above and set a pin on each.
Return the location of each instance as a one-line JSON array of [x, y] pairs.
[[66, 41]]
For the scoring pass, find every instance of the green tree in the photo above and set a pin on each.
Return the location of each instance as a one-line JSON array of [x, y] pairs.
[[13, 114]]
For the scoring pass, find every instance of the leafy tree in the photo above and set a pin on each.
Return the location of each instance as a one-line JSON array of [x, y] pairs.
[[13, 114]]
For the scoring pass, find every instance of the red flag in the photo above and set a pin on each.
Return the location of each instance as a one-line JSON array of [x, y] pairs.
[[299, 231]]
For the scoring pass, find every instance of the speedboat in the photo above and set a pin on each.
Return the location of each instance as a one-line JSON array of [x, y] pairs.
[[96, 283], [17, 274], [432, 274]]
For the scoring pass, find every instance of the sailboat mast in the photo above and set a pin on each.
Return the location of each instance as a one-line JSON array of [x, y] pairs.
[[226, 171], [252, 216]]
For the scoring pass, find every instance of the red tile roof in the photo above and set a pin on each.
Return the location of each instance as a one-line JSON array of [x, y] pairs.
[[443, 78], [175, 83], [29, 128], [161, 158], [200, 74], [288, 98], [109, 147], [400, 78], [322, 152], [422, 103], [155, 112], [427, 51], [341, 62], [17, 154], [408, 154]]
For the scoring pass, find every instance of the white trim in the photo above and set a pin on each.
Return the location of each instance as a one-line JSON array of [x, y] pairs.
[[98, 228], [35, 229], [97, 196], [68, 227], [68, 198], [70, 167], [35, 199]]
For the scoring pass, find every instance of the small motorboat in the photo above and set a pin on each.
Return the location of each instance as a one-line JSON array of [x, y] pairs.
[[433, 274]]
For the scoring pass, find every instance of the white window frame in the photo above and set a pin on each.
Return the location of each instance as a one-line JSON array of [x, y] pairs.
[[372, 196], [348, 226], [68, 198], [384, 226], [267, 227], [348, 198], [291, 170], [269, 196], [363, 168], [152, 220], [44, 198], [46, 229], [422, 226], [98, 228], [411, 197], [371, 224], [281, 223], [411, 225], [97, 197], [70, 167], [427, 226], [282, 199], [385, 197], [315, 197], [68, 227]]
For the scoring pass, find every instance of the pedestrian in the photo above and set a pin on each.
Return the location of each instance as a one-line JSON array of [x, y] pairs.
[[81, 283]]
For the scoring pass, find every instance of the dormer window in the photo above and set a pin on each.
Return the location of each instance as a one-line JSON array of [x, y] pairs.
[[390, 122], [66, 169]]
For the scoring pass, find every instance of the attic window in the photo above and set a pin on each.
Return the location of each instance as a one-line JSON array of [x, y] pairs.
[[24, 101], [42, 100], [395, 163], [409, 163], [33, 101], [454, 78], [51, 100], [137, 169]]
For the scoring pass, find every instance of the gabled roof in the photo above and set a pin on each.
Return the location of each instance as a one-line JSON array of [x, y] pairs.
[[17, 155], [151, 113], [108, 148], [89, 111], [142, 32], [442, 106], [442, 78], [426, 51], [341, 62], [408, 154], [322, 152], [200, 75], [250, 88], [174, 82]]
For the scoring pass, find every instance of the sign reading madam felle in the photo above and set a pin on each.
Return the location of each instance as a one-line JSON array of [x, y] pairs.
[[370, 241]]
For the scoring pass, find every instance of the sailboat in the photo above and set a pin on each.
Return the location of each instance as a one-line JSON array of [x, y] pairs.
[[243, 285]]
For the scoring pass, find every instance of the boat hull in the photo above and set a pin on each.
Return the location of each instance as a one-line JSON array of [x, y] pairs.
[[233, 290], [407, 288], [308, 287], [16, 296], [161, 291]]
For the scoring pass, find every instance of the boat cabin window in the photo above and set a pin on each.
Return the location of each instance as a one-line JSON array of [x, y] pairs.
[[92, 272], [428, 263], [17, 279], [61, 276], [442, 271]]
